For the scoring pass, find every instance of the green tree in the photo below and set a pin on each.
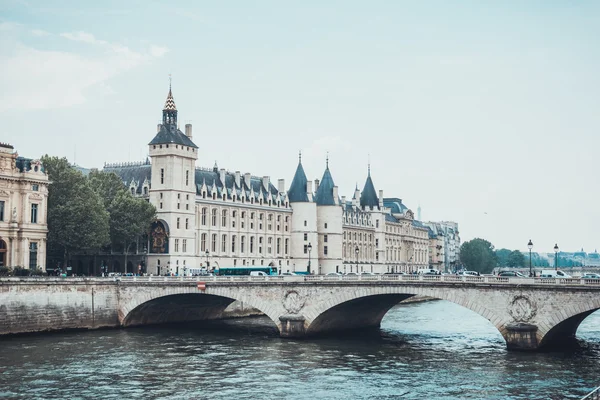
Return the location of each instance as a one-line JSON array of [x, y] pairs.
[[515, 259], [502, 257], [130, 218], [77, 218], [107, 184], [478, 255]]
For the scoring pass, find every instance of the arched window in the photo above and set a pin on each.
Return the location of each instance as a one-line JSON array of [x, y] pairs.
[[214, 217]]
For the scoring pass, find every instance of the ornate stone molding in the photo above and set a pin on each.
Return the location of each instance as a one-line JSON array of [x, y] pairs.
[[522, 309], [293, 302]]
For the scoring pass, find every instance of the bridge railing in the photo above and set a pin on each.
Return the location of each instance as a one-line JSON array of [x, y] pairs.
[[454, 279]]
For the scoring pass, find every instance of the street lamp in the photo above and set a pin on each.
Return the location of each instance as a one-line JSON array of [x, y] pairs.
[[184, 270], [356, 250], [309, 247], [556, 257], [206, 252], [530, 246]]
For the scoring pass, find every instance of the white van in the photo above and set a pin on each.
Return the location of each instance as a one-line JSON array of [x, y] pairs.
[[551, 273], [257, 273]]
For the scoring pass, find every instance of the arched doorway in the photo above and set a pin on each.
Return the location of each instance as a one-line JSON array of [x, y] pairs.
[[3, 250]]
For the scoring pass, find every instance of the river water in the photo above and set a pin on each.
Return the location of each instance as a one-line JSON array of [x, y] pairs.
[[431, 350]]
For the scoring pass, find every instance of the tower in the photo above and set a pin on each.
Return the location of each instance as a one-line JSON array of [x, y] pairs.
[[329, 224], [304, 237], [173, 192]]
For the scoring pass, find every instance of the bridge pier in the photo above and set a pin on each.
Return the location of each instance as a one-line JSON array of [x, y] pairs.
[[292, 326], [521, 336]]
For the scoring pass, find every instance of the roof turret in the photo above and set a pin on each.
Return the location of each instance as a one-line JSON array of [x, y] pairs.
[[168, 131], [325, 195], [368, 197], [297, 192]]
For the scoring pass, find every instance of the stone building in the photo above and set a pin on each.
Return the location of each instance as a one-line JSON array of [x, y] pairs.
[[23, 210], [213, 217], [450, 250]]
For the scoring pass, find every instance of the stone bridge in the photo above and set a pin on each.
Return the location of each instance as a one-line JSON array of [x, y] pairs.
[[529, 312]]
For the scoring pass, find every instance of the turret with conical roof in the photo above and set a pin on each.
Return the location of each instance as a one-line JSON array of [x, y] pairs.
[[298, 188], [326, 193], [168, 132], [368, 197]]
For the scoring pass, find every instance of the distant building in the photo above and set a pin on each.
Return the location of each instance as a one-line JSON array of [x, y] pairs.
[[210, 217], [450, 250], [23, 210]]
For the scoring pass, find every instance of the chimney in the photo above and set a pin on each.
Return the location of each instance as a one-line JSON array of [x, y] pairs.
[[317, 184], [309, 187], [158, 128], [335, 195], [238, 178], [265, 182], [344, 200], [247, 179], [222, 175], [381, 198], [188, 130], [281, 185]]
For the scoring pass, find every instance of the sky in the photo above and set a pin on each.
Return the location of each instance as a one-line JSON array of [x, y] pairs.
[[483, 113]]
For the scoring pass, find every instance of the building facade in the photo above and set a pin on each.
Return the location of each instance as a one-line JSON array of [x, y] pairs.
[[211, 217], [23, 210]]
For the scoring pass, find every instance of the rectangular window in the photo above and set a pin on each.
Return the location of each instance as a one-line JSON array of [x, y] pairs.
[[305, 237], [224, 243], [187, 206], [35, 188], [1, 210], [377, 223], [376, 242], [224, 218], [178, 206], [214, 242], [34, 213], [176, 245], [187, 223], [162, 176], [204, 215], [286, 246], [305, 249], [178, 196], [251, 244], [203, 242], [214, 217], [325, 225], [161, 196], [242, 244], [160, 206], [325, 250], [325, 238], [177, 223], [33, 252], [304, 222], [278, 245], [233, 244], [184, 245], [187, 178]]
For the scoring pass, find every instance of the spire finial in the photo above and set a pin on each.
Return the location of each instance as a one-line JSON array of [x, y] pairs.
[[327, 161], [369, 163], [299, 156], [170, 82]]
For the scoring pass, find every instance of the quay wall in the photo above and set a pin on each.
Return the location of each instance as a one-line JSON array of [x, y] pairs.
[[28, 306]]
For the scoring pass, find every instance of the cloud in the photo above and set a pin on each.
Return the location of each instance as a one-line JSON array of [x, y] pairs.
[[46, 79], [39, 32]]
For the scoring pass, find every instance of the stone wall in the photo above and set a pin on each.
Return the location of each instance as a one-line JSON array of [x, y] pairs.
[[28, 306]]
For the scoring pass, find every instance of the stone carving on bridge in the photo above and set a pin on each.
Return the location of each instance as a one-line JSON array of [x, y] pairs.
[[522, 309], [293, 302]]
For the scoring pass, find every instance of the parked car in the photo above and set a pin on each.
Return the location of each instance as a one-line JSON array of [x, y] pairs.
[[590, 276], [470, 273], [288, 273], [334, 274], [367, 273], [351, 274], [512, 273], [553, 273]]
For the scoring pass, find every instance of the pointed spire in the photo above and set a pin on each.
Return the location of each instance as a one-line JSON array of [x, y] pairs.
[[300, 157], [170, 110], [368, 197], [327, 161], [215, 167], [297, 192], [324, 195]]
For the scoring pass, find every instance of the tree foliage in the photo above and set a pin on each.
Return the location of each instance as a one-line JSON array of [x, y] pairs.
[[77, 218], [502, 257], [515, 259], [478, 255]]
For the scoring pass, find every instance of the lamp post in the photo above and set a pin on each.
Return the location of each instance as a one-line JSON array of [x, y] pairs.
[[530, 246], [356, 250], [206, 252], [309, 247], [556, 257], [184, 270]]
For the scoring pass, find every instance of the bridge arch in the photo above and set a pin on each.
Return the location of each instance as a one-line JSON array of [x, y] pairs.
[[159, 304], [363, 308], [562, 324]]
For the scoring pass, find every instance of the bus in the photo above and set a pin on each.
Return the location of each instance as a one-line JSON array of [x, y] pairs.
[[244, 270]]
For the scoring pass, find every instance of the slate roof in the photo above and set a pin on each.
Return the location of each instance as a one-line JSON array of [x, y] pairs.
[[212, 178], [395, 204], [368, 197], [324, 196], [170, 102], [170, 134], [132, 172], [297, 192]]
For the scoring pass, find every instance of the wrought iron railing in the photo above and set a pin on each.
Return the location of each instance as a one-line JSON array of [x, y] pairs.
[[595, 395]]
